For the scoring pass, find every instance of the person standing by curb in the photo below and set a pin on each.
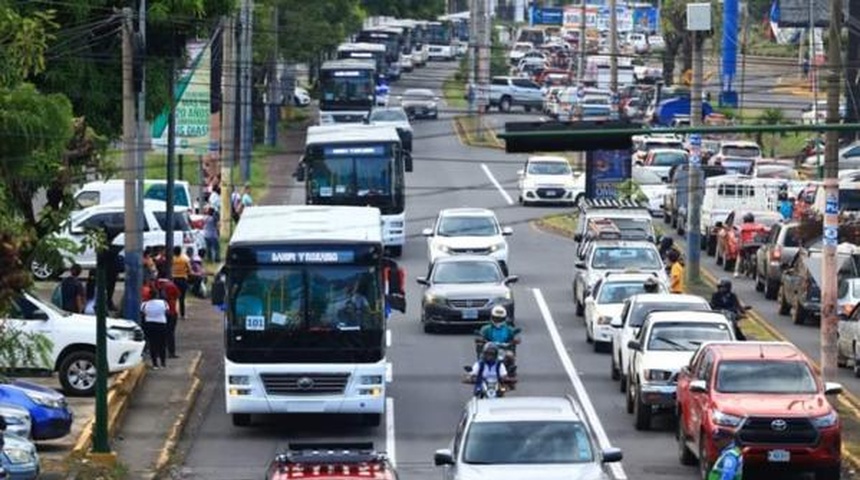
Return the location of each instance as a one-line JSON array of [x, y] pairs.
[[154, 313], [170, 293], [181, 274]]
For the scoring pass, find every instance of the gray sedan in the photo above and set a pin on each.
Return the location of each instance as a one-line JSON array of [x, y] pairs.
[[462, 290], [420, 103]]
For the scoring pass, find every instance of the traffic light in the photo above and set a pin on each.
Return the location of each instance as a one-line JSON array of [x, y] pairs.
[[528, 137]]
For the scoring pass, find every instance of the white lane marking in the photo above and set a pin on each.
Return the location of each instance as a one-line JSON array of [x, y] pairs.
[[389, 431], [497, 184], [389, 372], [388, 338], [581, 393]]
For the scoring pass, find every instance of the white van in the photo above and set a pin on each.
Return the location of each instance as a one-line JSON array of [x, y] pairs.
[[725, 193], [110, 191]]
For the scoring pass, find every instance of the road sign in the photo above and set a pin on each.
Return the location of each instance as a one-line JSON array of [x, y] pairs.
[[831, 236], [831, 205], [580, 93], [695, 140]]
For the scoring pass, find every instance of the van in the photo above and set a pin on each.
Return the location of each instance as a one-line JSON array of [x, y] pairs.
[[736, 192], [109, 191]]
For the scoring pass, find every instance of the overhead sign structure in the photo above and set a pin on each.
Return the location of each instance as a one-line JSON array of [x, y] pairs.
[[192, 110], [547, 16], [796, 13], [604, 171]]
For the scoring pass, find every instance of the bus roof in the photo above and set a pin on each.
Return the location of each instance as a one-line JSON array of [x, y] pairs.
[[349, 63], [334, 134], [361, 47], [308, 223]]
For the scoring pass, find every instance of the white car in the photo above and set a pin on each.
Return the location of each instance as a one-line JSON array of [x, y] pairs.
[[652, 187], [473, 231], [73, 339], [550, 180], [665, 345], [605, 302], [301, 97], [633, 315]]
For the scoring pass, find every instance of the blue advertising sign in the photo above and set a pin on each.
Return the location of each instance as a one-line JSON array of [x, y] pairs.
[[604, 170], [645, 19], [547, 16]]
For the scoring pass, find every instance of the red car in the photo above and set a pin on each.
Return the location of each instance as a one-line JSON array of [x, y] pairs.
[[331, 461], [768, 394]]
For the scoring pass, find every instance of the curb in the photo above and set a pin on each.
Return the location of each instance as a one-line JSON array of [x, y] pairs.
[[466, 139], [170, 443], [119, 396]]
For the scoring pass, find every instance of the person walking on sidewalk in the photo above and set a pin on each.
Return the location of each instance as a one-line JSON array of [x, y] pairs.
[[170, 293], [154, 313], [181, 275], [212, 236]]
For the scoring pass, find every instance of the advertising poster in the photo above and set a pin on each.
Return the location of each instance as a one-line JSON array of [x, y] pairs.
[[604, 170]]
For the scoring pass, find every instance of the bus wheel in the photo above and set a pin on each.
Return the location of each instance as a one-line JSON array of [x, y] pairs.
[[371, 419], [241, 419]]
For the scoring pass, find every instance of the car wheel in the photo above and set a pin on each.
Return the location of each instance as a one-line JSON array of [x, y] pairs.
[[629, 398], [770, 289], [77, 373], [580, 309], [642, 413], [371, 419], [685, 456], [614, 373], [42, 271], [783, 308], [622, 384], [505, 269], [428, 327], [798, 315], [704, 464], [505, 104], [241, 419]]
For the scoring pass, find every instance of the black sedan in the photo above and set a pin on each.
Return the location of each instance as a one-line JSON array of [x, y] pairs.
[[420, 103], [462, 290]]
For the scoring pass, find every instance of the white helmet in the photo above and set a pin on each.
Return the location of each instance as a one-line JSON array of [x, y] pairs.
[[499, 312]]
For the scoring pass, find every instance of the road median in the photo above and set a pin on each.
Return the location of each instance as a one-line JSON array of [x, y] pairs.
[[472, 131]]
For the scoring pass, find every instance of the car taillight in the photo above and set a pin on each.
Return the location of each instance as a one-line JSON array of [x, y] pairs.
[[776, 254]]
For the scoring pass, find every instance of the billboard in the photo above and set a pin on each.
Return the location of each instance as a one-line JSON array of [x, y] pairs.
[[796, 13], [604, 170], [547, 16], [597, 17]]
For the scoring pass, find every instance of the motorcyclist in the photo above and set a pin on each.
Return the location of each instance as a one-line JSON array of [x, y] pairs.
[[725, 300], [488, 368], [666, 245], [749, 229], [502, 334], [730, 464]]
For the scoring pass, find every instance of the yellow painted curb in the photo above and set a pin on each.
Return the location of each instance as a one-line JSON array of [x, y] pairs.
[[178, 426], [803, 92], [466, 139], [117, 401]]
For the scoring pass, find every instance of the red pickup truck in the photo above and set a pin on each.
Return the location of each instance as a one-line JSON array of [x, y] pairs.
[[766, 395]]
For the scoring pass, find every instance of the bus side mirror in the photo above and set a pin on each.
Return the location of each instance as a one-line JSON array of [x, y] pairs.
[[299, 174], [219, 289], [407, 161], [396, 301]]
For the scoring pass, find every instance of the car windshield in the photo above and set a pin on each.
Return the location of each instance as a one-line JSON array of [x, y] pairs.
[[669, 159], [548, 168], [23, 308], [646, 177], [617, 258], [452, 226], [777, 171], [642, 309], [181, 222], [652, 145], [738, 151], [530, 442], [417, 95], [765, 376], [388, 116], [467, 272], [618, 292], [686, 336]]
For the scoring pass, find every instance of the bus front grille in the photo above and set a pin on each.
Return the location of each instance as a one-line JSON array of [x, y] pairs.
[[304, 383]]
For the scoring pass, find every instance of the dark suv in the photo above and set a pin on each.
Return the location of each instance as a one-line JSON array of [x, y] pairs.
[[800, 292]]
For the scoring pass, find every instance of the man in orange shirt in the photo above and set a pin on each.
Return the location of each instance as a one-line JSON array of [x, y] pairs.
[[676, 272]]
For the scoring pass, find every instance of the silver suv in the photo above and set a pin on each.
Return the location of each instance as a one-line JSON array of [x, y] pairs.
[[525, 437]]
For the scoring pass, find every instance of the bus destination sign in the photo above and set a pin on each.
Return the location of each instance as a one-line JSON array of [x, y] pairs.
[[315, 257]]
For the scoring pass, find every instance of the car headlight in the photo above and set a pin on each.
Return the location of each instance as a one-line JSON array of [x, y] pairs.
[[433, 299], [45, 400], [442, 247], [657, 375], [504, 298], [604, 320], [120, 334], [498, 246], [326, 119], [18, 455], [239, 380], [826, 421], [725, 419]]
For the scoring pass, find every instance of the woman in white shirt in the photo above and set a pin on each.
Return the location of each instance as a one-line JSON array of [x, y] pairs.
[[154, 313]]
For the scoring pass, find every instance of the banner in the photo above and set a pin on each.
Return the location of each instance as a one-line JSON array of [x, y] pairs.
[[604, 170], [645, 19], [193, 118]]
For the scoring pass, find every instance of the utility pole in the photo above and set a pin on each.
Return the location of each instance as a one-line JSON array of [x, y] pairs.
[[613, 49], [483, 61], [744, 36], [829, 318], [813, 75], [698, 19], [171, 154], [852, 87], [580, 66], [473, 54], [228, 117], [245, 110], [141, 154], [272, 107], [131, 143]]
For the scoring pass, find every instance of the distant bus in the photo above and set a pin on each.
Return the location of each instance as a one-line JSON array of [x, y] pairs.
[[393, 47], [440, 38], [364, 51], [348, 91]]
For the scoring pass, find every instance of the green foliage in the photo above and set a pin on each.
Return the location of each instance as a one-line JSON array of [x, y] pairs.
[[20, 349], [24, 39], [631, 190], [414, 9]]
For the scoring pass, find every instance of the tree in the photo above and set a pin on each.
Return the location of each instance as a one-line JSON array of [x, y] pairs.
[[673, 18], [414, 9]]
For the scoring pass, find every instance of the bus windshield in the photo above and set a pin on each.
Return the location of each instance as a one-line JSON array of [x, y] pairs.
[[439, 34], [351, 89], [304, 313], [351, 176]]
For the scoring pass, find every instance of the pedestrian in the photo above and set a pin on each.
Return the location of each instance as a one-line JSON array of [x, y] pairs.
[[676, 272], [154, 315], [150, 271], [786, 207], [214, 200], [90, 307], [247, 199], [73, 291], [170, 293], [235, 205], [181, 275], [198, 273], [212, 235]]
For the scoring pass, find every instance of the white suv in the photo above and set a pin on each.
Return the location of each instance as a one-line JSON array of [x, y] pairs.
[[665, 344], [633, 315], [550, 180], [606, 300], [473, 231], [73, 339], [154, 226]]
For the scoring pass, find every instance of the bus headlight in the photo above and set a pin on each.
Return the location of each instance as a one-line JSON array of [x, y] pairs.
[[370, 379], [373, 392], [239, 380]]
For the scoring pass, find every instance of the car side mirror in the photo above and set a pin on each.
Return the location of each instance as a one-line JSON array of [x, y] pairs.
[[577, 237], [580, 265], [512, 279], [616, 323], [443, 457], [299, 174], [39, 315], [520, 173], [611, 455], [832, 388], [698, 386], [427, 232], [634, 345], [507, 231], [422, 281]]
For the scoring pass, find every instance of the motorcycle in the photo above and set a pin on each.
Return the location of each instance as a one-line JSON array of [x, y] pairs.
[[489, 388], [504, 349]]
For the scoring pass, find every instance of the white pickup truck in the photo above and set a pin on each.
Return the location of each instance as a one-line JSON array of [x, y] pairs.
[[506, 92]]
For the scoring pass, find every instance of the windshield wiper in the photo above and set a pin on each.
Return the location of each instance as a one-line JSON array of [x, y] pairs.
[[673, 343]]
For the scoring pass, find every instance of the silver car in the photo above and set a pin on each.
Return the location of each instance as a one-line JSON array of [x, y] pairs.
[[18, 421], [420, 103], [525, 437]]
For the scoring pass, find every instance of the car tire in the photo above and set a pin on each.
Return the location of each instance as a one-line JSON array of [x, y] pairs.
[[371, 419], [599, 347], [770, 289], [829, 473], [428, 327], [42, 271], [241, 419], [622, 384], [783, 307], [641, 413], [580, 308], [798, 315], [628, 397], [77, 373], [685, 456], [505, 104], [505, 268], [614, 373]]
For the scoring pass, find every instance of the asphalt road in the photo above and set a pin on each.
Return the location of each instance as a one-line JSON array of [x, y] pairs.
[[425, 395]]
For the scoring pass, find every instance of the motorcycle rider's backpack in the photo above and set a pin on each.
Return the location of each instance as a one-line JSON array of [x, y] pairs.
[[480, 375]]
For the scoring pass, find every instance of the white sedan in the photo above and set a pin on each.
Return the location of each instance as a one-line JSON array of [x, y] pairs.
[[606, 302], [473, 231], [548, 179]]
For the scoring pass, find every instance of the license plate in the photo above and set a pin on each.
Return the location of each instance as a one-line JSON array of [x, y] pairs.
[[470, 314], [779, 456], [551, 193]]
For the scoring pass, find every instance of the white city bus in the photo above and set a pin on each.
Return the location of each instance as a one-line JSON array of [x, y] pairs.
[[306, 291], [348, 90], [360, 165]]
